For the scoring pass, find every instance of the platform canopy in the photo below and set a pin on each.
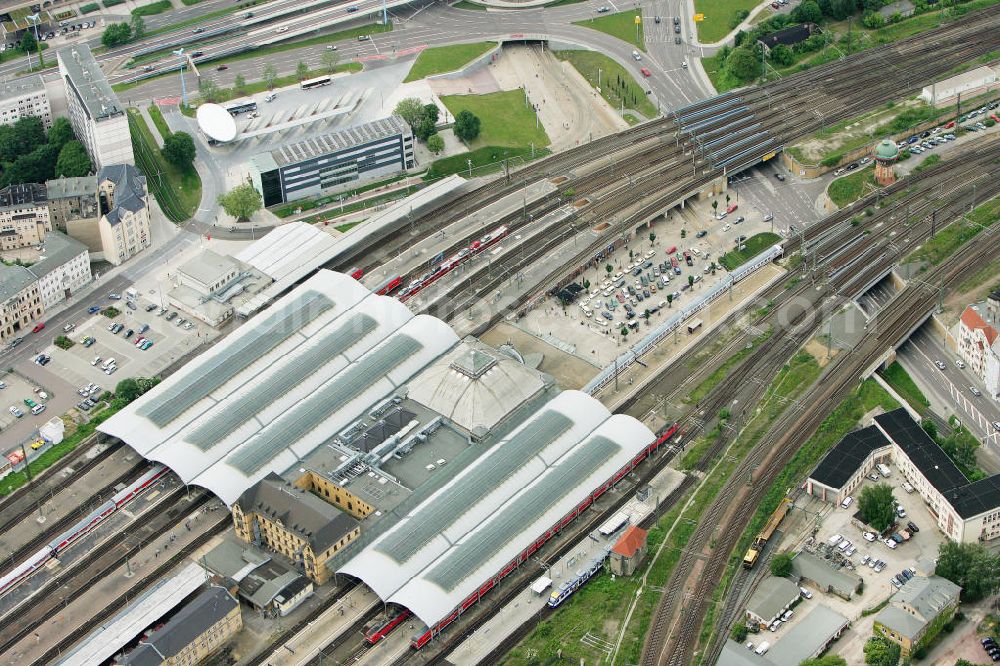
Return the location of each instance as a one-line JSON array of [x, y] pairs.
[[447, 546], [272, 392]]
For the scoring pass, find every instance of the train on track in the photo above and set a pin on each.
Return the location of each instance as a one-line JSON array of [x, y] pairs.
[[420, 639], [81, 528], [383, 629], [442, 269], [760, 541], [566, 590]]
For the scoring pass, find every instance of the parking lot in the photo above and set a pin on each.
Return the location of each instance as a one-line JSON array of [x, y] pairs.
[[16, 389], [643, 274]]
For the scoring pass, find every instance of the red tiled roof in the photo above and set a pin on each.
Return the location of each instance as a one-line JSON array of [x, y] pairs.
[[972, 320], [631, 540]]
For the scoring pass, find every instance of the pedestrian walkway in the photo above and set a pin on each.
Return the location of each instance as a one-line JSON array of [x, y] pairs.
[[729, 38], [144, 112]]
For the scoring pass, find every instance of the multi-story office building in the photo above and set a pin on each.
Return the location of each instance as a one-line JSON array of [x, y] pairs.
[[24, 97], [97, 117], [24, 216], [324, 163]]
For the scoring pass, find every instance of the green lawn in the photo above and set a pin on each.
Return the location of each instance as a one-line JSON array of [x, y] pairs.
[[616, 82], [949, 239], [751, 248], [441, 59], [901, 382], [848, 189], [154, 8], [718, 14], [158, 120], [505, 120], [720, 77], [620, 25], [178, 192], [328, 215], [484, 161]]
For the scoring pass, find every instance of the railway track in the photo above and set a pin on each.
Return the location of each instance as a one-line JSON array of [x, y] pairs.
[[43, 603], [659, 643]]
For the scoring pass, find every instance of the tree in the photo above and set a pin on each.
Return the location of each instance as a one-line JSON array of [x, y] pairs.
[[881, 652], [969, 565], [28, 42], [37, 166], [330, 60], [424, 129], [60, 133], [73, 160], [624, 331], [781, 565], [872, 20], [131, 388], [138, 27], [876, 507], [431, 112], [826, 660], [646, 315], [410, 110], [269, 74], [930, 428], [435, 144], [670, 300], [116, 34], [690, 280], [782, 55], [743, 64], [209, 91], [466, 125], [239, 83], [21, 138], [241, 202], [739, 632], [652, 237], [301, 70], [684, 233], [808, 12], [715, 208], [179, 150]]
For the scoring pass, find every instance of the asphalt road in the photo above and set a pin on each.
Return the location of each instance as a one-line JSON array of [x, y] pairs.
[[436, 24], [948, 389]]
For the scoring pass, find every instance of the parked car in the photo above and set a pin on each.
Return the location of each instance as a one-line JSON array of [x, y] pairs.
[[913, 528]]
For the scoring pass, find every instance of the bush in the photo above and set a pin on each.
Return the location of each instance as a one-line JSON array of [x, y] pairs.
[[781, 565], [90, 7], [739, 632], [63, 342], [112, 3], [110, 312]]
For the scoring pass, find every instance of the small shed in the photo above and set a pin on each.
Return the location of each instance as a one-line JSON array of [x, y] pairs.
[[628, 551]]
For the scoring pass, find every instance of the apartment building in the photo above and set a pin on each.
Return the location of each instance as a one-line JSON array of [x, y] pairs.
[[24, 216], [24, 97]]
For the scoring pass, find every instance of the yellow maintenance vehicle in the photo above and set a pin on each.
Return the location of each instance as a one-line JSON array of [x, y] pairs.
[[753, 552]]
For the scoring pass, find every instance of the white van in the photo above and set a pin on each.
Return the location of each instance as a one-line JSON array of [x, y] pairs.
[[108, 363], [762, 648], [37, 409], [847, 502], [907, 487], [883, 469]]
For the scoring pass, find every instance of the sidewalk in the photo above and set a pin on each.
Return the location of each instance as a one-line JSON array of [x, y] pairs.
[[744, 25]]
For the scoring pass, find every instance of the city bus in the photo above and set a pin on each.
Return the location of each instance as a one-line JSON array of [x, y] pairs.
[[309, 84], [245, 106]]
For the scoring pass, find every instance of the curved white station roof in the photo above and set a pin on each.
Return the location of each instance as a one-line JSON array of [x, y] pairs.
[[272, 392], [444, 549], [216, 122]]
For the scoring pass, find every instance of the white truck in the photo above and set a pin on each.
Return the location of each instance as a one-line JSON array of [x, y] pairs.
[[762, 648], [883, 469], [131, 293]]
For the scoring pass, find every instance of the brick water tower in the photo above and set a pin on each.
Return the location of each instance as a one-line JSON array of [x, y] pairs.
[[886, 153]]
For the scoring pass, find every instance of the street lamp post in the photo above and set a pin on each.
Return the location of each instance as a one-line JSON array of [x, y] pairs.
[[180, 54]]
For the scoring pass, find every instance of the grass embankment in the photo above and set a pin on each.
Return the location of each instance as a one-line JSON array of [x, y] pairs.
[[719, 17], [373, 202], [899, 379], [153, 8], [177, 191], [949, 239], [847, 189], [749, 249], [485, 160], [441, 59], [507, 131], [617, 84], [161, 124], [243, 6], [720, 373], [621, 25], [505, 119], [793, 378], [842, 420]]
